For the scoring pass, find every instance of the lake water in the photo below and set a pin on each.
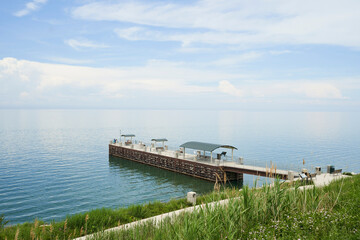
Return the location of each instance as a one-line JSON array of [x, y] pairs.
[[55, 163]]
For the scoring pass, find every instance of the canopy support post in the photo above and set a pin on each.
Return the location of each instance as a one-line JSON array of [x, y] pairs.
[[211, 160]]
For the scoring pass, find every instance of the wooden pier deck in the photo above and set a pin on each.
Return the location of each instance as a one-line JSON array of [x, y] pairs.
[[190, 164]]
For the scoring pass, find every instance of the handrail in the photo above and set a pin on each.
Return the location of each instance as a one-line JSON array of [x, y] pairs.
[[225, 160]]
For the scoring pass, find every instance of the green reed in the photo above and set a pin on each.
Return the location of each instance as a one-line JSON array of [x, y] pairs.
[[99, 219], [332, 212]]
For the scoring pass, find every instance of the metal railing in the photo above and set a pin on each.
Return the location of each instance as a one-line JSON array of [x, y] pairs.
[[225, 160]]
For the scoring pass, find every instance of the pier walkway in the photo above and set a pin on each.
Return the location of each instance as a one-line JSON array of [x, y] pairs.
[[227, 166]]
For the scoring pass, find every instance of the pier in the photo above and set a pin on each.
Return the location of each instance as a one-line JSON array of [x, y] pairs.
[[202, 164]]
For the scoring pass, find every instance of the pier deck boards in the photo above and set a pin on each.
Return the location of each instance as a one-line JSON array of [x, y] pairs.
[[188, 164]]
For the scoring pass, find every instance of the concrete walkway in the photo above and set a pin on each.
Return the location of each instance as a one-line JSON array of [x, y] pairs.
[[319, 181], [326, 178], [159, 218]]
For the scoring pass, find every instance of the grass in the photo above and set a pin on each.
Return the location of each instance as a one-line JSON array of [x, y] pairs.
[[98, 219], [332, 212], [277, 212]]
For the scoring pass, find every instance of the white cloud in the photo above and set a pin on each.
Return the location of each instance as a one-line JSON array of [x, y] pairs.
[[30, 7], [69, 60], [24, 94], [280, 52], [237, 21], [83, 43], [155, 76], [319, 90], [283, 89], [228, 88], [30, 81], [135, 33], [241, 58], [209, 37]]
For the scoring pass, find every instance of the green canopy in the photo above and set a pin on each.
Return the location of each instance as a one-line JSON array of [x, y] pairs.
[[159, 139], [209, 147]]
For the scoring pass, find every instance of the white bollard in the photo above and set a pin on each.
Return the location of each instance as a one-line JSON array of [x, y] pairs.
[[291, 175], [191, 197]]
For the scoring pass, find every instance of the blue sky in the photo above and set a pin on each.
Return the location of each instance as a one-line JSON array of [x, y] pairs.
[[254, 55]]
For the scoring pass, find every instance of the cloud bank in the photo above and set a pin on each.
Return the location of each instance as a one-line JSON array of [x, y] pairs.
[[25, 81]]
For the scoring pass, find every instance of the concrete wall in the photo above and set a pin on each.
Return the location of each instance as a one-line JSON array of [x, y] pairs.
[[179, 165]]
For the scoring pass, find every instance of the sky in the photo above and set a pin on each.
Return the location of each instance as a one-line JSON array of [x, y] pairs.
[[255, 55]]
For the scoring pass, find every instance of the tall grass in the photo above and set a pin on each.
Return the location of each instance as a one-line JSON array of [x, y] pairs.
[[99, 219], [267, 213]]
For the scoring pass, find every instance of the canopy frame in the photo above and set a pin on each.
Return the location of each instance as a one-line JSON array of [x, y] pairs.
[[156, 140], [127, 136], [207, 147]]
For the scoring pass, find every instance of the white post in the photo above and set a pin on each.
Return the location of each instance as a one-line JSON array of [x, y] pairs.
[[191, 197], [232, 154], [211, 157], [184, 152]]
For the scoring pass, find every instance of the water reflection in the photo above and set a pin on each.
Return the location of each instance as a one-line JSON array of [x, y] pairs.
[[160, 176]]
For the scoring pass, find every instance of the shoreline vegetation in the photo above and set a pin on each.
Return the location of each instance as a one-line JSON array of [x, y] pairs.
[[280, 211]]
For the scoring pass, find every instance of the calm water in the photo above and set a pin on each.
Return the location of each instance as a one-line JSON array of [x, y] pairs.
[[55, 162]]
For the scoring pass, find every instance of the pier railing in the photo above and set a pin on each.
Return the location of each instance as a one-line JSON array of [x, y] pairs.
[[224, 161], [170, 151]]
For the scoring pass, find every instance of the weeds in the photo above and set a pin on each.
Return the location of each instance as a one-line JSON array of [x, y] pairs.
[[274, 212], [3, 222], [99, 219]]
